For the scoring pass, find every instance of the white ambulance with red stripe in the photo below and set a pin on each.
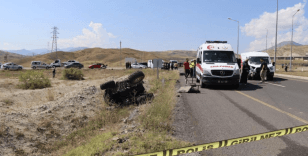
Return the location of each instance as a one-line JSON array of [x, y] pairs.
[[217, 64]]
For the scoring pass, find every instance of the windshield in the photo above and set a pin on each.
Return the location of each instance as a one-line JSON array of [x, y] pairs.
[[219, 56], [256, 60]]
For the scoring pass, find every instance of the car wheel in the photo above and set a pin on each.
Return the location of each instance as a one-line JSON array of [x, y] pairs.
[[202, 85], [19, 68], [136, 77], [270, 78], [34, 68], [92, 67], [236, 86], [47, 68], [109, 84], [197, 80]]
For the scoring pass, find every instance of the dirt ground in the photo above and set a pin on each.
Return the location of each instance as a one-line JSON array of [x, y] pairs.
[[32, 118]]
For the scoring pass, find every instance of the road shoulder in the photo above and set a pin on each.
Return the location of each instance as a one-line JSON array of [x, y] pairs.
[[292, 76], [183, 121]]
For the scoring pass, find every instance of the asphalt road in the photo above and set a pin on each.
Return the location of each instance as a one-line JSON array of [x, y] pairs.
[[220, 113]]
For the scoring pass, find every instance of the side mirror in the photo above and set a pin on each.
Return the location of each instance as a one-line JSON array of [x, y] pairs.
[[274, 63], [239, 62], [198, 60]]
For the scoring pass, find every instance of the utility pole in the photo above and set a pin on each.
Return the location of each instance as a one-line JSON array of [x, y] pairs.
[[276, 36], [47, 47], [120, 52], [292, 41], [266, 39], [238, 33], [54, 41]]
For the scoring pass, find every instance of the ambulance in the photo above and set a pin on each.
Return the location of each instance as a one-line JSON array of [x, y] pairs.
[[217, 65], [255, 64]]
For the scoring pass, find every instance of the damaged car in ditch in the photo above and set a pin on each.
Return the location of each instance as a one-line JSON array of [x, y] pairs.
[[126, 92]]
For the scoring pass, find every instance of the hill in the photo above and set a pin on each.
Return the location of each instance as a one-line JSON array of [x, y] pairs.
[[111, 57], [284, 43], [297, 50], [11, 56]]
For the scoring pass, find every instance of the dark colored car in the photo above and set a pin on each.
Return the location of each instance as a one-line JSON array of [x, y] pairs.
[[74, 65]]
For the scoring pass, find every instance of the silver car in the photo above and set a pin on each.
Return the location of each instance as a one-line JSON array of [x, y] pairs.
[[11, 66], [137, 65], [39, 65]]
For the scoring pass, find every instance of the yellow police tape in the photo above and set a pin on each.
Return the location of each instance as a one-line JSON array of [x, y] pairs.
[[229, 142]]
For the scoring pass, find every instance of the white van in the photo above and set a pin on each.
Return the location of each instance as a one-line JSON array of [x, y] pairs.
[[217, 65], [255, 64]]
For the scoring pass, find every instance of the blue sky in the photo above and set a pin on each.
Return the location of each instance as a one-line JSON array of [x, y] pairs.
[[154, 25]]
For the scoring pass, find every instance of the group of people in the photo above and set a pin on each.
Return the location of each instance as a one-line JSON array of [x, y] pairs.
[[128, 65], [246, 68], [190, 68]]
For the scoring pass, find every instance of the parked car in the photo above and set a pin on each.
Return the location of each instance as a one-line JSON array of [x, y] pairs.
[[57, 63], [69, 62], [0, 65], [138, 65], [11, 66], [39, 65], [98, 65], [74, 65]]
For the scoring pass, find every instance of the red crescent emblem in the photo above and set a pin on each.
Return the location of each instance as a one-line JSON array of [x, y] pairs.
[[209, 47]]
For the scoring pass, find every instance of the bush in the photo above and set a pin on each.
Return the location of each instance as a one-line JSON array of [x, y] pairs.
[[72, 74], [33, 79]]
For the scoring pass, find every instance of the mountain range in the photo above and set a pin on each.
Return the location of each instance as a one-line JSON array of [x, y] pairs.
[[281, 44], [43, 51]]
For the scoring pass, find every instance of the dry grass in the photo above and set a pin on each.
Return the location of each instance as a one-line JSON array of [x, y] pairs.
[[8, 102], [156, 119], [50, 95]]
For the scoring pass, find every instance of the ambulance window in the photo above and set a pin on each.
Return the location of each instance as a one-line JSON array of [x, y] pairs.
[[219, 56]]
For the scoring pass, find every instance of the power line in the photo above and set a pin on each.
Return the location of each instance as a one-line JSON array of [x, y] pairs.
[[54, 40]]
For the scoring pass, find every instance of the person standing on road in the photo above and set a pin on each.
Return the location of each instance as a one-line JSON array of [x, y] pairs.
[[286, 68], [54, 72], [263, 70], [186, 68], [245, 71], [171, 66], [192, 66]]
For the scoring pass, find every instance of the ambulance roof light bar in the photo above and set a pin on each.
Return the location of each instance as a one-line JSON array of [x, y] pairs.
[[216, 42]]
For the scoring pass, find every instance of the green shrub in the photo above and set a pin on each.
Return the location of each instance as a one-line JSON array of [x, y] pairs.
[[72, 74], [33, 79]]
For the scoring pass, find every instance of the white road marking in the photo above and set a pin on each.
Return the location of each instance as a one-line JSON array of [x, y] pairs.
[[275, 84]]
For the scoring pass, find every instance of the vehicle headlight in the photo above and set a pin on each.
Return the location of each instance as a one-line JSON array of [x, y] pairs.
[[236, 72], [206, 73]]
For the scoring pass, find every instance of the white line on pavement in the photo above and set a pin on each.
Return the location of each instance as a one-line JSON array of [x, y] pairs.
[[275, 84]]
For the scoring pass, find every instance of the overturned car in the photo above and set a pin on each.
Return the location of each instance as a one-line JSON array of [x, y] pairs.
[[126, 92]]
